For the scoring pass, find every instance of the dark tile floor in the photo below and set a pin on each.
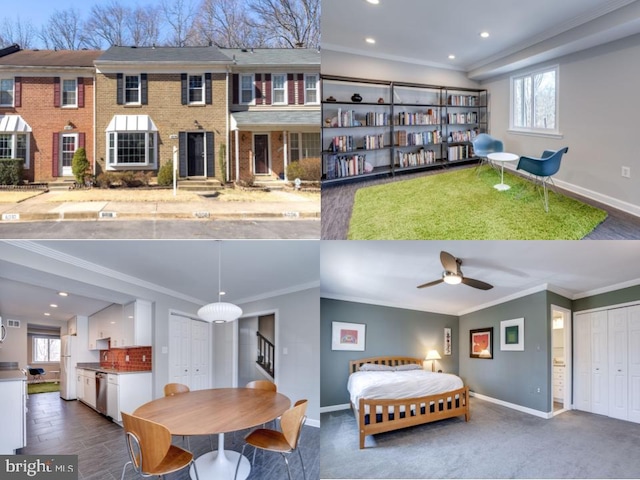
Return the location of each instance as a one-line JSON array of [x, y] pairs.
[[56, 426]]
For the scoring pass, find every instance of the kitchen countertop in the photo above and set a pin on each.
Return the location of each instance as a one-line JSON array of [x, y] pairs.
[[112, 370], [11, 375]]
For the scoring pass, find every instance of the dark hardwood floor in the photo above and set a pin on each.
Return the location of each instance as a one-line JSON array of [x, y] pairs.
[[337, 205], [56, 426]]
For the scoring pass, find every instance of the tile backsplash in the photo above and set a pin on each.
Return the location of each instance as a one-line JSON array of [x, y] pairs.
[[139, 359]]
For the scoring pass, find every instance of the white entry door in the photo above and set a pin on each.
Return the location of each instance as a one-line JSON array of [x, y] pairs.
[[68, 147]]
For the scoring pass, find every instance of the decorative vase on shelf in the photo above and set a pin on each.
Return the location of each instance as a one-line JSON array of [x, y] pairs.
[[381, 100], [356, 97]]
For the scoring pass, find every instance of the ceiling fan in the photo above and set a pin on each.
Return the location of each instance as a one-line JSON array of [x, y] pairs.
[[453, 275]]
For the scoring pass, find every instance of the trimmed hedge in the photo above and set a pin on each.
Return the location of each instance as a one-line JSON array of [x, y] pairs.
[[11, 171], [305, 169]]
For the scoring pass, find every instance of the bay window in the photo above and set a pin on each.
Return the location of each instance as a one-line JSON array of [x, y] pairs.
[[131, 149]]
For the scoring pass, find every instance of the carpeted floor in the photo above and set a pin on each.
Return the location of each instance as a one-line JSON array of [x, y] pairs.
[[44, 387], [497, 442]]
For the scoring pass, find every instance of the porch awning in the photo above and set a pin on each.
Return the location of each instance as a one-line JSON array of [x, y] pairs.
[[131, 123], [13, 124], [275, 119]]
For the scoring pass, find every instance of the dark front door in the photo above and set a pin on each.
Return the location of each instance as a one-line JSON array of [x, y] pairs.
[[261, 150], [195, 154]]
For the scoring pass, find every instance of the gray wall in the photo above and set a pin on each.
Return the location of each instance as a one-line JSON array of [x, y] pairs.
[[630, 294], [595, 92], [389, 331]]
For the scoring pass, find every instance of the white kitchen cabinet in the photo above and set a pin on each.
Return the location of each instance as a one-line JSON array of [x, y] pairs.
[[89, 396], [80, 376], [113, 396], [101, 326], [189, 352], [135, 328], [133, 391], [13, 408]]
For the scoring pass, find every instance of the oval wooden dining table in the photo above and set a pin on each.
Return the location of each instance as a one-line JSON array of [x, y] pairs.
[[216, 411]]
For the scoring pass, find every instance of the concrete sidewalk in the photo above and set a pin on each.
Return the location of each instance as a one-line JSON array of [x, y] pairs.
[[42, 208]]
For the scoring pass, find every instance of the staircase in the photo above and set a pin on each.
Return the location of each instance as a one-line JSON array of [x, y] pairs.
[[266, 356], [199, 185], [269, 183], [61, 183]]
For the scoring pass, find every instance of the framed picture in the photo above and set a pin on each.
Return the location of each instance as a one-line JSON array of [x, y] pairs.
[[481, 343], [347, 336], [512, 335], [447, 341]]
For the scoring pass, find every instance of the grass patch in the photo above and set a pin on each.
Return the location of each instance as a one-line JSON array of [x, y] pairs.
[[463, 205], [124, 195], [46, 387], [18, 196]]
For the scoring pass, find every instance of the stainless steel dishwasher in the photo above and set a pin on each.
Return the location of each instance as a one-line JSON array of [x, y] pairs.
[[101, 392]]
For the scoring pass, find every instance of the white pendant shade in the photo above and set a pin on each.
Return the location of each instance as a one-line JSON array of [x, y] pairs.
[[219, 312]]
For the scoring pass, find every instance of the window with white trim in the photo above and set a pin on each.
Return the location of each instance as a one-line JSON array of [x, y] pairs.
[[131, 149], [279, 88], [45, 349], [132, 85], [6, 92], [196, 89], [534, 101], [304, 145], [311, 89], [15, 145], [69, 92], [246, 88]]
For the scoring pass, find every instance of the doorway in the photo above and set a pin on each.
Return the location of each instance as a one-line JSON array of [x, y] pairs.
[[261, 153], [68, 147], [195, 154], [561, 354], [256, 359]]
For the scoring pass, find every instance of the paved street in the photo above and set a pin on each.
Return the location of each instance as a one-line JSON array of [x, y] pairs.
[[164, 229]]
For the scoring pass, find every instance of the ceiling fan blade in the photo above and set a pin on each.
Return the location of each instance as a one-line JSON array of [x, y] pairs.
[[449, 262], [431, 284], [476, 283]]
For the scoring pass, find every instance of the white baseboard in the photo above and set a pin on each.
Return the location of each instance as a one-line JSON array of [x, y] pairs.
[[520, 408], [335, 408], [312, 422]]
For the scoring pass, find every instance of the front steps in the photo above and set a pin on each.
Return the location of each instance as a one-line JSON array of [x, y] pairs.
[[199, 185]]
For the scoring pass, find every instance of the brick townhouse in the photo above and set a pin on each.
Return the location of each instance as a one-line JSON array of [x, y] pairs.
[[152, 100], [274, 110], [46, 108]]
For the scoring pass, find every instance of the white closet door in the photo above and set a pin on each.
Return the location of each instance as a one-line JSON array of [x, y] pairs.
[[200, 346], [179, 347], [582, 361], [634, 364], [618, 346], [599, 377]]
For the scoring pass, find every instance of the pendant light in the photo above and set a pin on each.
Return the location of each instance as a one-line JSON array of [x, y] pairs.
[[219, 312]]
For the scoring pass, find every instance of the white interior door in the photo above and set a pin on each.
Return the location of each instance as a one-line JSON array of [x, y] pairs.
[[618, 394], [634, 364], [199, 355], [599, 381], [582, 371], [179, 343]]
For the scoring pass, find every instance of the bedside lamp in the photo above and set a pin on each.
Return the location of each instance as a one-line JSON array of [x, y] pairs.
[[433, 355]]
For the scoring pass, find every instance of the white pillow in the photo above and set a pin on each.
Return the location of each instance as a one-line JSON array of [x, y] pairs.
[[374, 367], [408, 366]]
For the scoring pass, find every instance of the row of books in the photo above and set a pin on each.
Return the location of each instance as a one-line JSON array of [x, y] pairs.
[[417, 118], [339, 166], [342, 143], [371, 142], [414, 159], [462, 100], [462, 136], [348, 118], [459, 152], [467, 117], [404, 138]]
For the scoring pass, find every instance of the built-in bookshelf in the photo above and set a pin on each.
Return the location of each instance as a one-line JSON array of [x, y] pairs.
[[383, 128]]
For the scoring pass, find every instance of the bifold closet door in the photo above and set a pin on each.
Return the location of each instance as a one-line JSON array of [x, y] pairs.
[[634, 364], [599, 360], [582, 362], [618, 360]]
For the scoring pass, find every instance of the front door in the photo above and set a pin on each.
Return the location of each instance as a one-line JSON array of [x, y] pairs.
[[195, 154], [261, 153], [68, 147]]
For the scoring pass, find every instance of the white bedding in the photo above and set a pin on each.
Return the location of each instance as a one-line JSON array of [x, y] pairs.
[[400, 384]]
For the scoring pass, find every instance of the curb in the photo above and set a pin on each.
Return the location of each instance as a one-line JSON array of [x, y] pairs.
[[32, 217]]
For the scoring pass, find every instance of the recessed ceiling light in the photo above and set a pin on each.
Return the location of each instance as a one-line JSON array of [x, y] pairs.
[[370, 40], [484, 34], [63, 294], [53, 305], [47, 314], [373, 2], [223, 293], [451, 57]]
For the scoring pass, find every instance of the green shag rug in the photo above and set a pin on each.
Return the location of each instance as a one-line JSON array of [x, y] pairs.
[[463, 205], [44, 387]]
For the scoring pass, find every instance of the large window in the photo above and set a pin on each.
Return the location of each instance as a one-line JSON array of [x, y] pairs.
[[534, 101], [46, 349], [196, 89], [131, 149], [279, 89], [304, 145], [246, 88], [311, 89], [132, 89], [6, 92], [69, 93], [14, 145]]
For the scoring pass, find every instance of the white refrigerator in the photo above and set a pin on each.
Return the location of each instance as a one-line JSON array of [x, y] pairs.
[[68, 360]]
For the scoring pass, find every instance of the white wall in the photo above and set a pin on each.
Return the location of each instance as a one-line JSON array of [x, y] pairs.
[[598, 106]]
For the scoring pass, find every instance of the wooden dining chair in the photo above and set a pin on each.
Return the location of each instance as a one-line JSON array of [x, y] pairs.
[[150, 450], [262, 385], [175, 388], [284, 441]]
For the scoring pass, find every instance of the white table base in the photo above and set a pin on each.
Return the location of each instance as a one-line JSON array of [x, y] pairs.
[[221, 465], [501, 186]]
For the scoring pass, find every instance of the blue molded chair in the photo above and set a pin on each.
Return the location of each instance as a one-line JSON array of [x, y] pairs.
[[483, 145], [543, 168]]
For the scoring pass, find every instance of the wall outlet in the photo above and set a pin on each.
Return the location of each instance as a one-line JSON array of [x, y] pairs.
[[144, 358], [538, 390], [126, 359], [626, 172]]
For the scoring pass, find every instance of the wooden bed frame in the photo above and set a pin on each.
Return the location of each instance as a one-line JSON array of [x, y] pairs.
[[445, 405]]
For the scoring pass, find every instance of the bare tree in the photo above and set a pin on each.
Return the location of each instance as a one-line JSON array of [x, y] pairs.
[[17, 31], [224, 23], [107, 24], [63, 31], [144, 26], [180, 16], [288, 23]]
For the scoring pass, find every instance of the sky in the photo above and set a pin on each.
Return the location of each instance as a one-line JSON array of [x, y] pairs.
[[39, 11]]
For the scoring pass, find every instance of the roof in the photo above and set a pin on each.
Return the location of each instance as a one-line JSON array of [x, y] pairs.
[[131, 123], [51, 58], [274, 56], [13, 123], [272, 117], [164, 55]]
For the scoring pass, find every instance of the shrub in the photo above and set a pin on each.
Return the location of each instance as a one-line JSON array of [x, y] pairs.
[[305, 169], [80, 165], [129, 179], [222, 155], [11, 171], [106, 179], [165, 174]]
